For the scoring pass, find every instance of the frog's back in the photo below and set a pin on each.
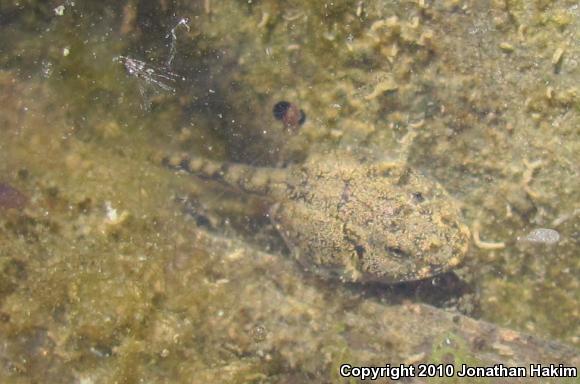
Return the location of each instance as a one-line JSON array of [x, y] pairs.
[[370, 222]]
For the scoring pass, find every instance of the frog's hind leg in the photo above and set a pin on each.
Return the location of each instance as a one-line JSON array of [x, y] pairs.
[[255, 180]]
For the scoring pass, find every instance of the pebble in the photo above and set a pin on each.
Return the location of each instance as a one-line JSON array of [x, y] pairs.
[[542, 235]]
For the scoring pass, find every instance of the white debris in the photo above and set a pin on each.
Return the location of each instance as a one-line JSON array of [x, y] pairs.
[[173, 48], [86, 380], [542, 235], [59, 11], [47, 68], [111, 212], [154, 79], [158, 77]]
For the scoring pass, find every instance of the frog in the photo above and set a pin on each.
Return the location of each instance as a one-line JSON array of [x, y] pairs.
[[348, 219]]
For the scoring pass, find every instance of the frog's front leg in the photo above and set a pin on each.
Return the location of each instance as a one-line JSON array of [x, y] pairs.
[[261, 181]]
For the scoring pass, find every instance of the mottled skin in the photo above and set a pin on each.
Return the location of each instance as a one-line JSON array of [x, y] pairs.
[[352, 220]]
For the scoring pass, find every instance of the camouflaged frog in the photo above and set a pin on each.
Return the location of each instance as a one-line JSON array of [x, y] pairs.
[[380, 222]]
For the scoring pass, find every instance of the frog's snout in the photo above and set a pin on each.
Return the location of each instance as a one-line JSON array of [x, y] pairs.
[[440, 235]]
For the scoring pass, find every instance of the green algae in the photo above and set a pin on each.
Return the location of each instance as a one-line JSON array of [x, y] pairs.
[[451, 349]]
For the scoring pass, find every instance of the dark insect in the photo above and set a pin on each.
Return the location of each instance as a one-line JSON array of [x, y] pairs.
[[289, 114]]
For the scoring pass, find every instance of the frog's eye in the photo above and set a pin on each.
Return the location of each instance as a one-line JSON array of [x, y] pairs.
[[396, 252], [418, 197], [289, 114], [360, 250]]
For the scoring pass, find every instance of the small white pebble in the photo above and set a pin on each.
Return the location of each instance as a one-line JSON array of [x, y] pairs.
[[86, 380], [59, 11], [111, 212], [542, 235]]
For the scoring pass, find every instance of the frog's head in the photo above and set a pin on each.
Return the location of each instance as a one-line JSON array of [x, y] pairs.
[[415, 230]]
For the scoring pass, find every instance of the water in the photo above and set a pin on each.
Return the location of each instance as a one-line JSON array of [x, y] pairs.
[[188, 279]]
